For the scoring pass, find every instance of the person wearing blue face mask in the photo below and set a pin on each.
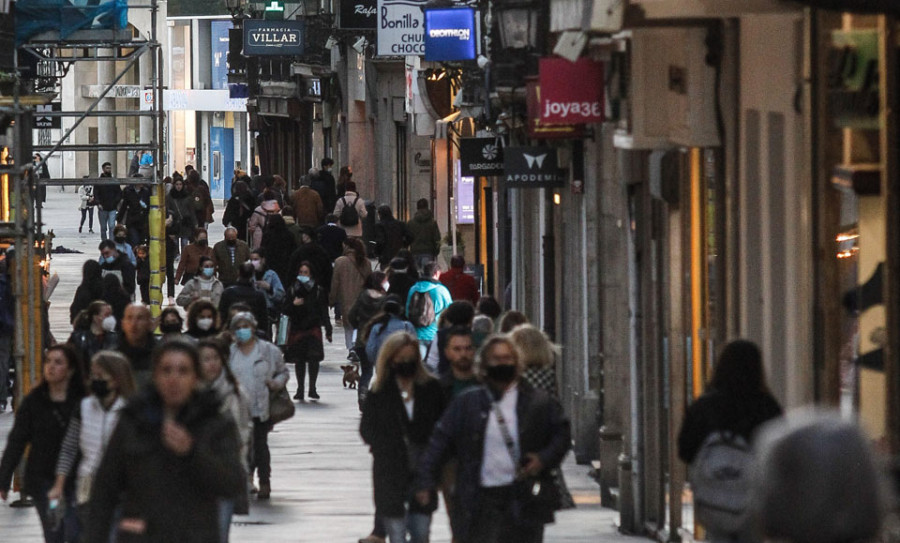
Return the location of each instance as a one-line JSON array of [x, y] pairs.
[[112, 261], [259, 369], [204, 285], [307, 308]]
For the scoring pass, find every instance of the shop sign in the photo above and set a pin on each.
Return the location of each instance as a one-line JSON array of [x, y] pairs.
[[41, 121], [571, 92], [359, 14], [218, 36], [465, 197], [481, 157], [281, 38], [539, 130], [854, 95], [532, 167], [401, 28], [450, 34]]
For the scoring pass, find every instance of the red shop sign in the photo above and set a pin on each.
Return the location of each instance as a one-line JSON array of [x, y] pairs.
[[571, 92], [539, 130]]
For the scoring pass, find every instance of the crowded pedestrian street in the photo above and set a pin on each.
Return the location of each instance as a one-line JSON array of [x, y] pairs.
[[322, 471]]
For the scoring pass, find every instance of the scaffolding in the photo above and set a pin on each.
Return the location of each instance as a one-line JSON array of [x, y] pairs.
[[20, 210]]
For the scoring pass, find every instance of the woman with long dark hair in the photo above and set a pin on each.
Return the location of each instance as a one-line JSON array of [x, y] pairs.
[[307, 308], [116, 295], [41, 423], [89, 290], [95, 330], [350, 273]]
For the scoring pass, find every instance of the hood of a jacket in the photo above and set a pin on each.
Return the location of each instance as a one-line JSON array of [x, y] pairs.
[[423, 216], [426, 285]]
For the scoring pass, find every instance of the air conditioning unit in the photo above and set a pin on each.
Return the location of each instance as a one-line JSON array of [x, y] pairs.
[[670, 92]]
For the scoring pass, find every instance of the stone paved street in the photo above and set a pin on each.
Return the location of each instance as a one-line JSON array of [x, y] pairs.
[[321, 485]]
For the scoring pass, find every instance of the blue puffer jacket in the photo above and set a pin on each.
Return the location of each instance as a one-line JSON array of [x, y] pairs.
[[543, 429]]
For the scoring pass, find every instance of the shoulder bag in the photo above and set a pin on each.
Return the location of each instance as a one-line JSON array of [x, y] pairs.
[[281, 407]]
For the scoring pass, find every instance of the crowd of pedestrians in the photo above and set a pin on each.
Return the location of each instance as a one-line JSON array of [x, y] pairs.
[[157, 429]]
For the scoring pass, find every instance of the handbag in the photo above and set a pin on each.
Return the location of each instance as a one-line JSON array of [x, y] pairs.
[[284, 324], [281, 407]]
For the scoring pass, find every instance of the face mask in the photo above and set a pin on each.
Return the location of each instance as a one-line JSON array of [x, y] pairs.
[[208, 272], [256, 264], [385, 286], [243, 335], [170, 327], [204, 324], [120, 239], [99, 388], [406, 369], [231, 242], [202, 242], [109, 324], [502, 374], [303, 279], [109, 259]]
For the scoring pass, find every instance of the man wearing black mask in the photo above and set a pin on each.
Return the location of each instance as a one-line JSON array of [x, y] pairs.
[[228, 255], [507, 438]]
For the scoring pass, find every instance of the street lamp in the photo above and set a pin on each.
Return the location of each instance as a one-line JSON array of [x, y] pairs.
[[518, 23]]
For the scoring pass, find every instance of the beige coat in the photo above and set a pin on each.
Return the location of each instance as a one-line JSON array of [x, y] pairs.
[[346, 284]]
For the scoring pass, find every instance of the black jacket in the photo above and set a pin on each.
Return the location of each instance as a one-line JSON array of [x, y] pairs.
[[243, 292], [42, 423], [84, 295], [324, 184], [177, 496], [312, 313], [718, 411], [278, 242], [384, 422], [140, 356], [365, 307], [122, 267], [390, 236], [134, 208], [331, 238], [237, 213], [107, 196], [321, 263], [400, 285], [543, 429], [181, 206], [86, 343]]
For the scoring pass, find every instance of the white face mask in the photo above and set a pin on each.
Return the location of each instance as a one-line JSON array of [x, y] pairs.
[[256, 264], [386, 285], [204, 324], [109, 324]]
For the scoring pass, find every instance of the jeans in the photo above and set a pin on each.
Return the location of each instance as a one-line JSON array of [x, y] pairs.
[[87, 212], [417, 525], [226, 510], [6, 342], [107, 223], [494, 521], [68, 529], [262, 460], [349, 337], [138, 235]]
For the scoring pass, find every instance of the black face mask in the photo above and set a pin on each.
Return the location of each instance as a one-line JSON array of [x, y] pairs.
[[231, 242], [120, 239], [502, 374], [170, 328], [407, 368], [202, 242], [99, 388]]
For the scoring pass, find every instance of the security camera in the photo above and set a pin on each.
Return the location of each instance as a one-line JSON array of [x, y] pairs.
[[483, 61], [360, 45]]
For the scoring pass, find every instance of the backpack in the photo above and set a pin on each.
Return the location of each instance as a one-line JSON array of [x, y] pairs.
[[421, 309], [720, 481], [349, 214]]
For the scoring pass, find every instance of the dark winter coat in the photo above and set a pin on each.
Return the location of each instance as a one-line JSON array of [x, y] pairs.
[[243, 292], [278, 243], [86, 293], [41, 423], [543, 429], [177, 496], [135, 208], [384, 422], [390, 236], [179, 204], [304, 343], [324, 184], [331, 238], [400, 285], [237, 213], [425, 232], [719, 411], [107, 196], [315, 255], [86, 343], [225, 268], [367, 306], [123, 269], [140, 356]]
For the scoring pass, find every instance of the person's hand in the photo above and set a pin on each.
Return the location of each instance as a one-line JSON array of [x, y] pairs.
[[533, 465], [176, 438], [298, 301], [55, 492], [328, 336], [423, 497], [133, 525], [263, 285]]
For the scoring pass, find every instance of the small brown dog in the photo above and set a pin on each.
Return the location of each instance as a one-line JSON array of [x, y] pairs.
[[351, 375]]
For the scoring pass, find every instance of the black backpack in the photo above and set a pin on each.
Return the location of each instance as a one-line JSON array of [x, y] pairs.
[[349, 214], [421, 309]]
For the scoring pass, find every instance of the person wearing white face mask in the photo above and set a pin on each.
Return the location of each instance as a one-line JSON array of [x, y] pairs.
[[202, 320], [95, 330], [204, 285], [307, 309]]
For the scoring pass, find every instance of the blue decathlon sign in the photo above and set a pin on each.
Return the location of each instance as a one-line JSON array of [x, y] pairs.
[[450, 34]]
